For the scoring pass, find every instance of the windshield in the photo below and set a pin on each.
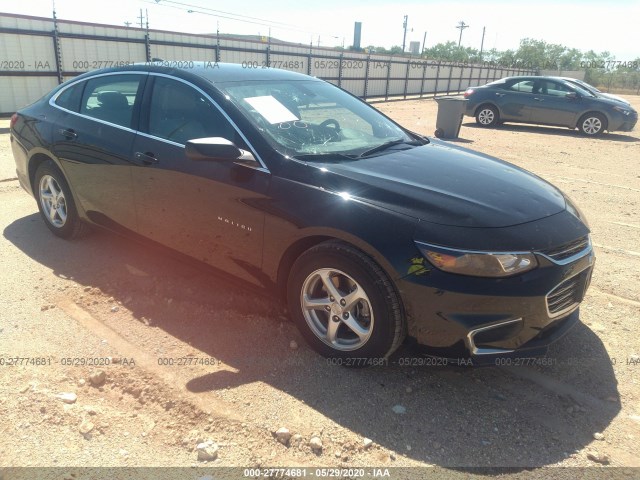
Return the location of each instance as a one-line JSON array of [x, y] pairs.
[[586, 86], [582, 91], [313, 118]]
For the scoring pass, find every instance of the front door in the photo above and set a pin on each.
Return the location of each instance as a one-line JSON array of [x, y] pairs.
[[551, 105], [210, 210]]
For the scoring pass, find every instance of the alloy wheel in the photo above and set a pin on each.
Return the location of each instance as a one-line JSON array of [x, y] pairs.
[[337, 309], [53, 201]]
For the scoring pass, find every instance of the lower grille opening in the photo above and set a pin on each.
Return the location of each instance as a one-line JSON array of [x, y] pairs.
[[568, 294], [497, 334]]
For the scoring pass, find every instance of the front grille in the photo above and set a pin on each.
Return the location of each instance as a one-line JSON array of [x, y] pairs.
[[568, 249], [568, 294]]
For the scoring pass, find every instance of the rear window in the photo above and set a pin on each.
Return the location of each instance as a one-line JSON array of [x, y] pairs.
[[111, 98], [70, 97]]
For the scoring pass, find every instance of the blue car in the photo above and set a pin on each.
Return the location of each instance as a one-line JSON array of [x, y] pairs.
[[593, 90], [547, 101]]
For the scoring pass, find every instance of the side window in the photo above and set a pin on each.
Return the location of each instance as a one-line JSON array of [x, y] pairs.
[[111, 98], [179, 112], [70, 98], [553, 88], [525, 86]]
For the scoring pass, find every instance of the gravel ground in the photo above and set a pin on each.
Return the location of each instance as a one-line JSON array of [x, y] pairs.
[[241, 371]]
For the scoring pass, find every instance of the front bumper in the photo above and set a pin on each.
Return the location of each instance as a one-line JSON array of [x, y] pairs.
[[624, 123], [483, 319]]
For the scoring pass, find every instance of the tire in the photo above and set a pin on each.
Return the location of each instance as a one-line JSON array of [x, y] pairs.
[[592, 124], [364, 300], [487, 116], [56, 204]]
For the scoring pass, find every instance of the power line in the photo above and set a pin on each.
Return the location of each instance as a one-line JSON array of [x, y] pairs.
[[265, 23], [189, 5]]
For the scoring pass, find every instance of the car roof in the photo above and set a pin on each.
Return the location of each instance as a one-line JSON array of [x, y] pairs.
[[210, 71], [535, 77], [214, 72]]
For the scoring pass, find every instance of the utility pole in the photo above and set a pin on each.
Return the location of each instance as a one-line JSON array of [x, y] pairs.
[[141, 18], [482, 43], [127, 24], [461, 26], [424, 41], [404, 25]]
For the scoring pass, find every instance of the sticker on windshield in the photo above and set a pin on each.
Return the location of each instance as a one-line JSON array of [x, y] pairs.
[[271, 109]]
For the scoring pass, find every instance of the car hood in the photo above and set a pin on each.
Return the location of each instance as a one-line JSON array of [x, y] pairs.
[[608, 96], [443, 184]]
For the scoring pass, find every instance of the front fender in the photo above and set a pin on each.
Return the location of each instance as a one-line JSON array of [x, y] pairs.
[[299, 212]]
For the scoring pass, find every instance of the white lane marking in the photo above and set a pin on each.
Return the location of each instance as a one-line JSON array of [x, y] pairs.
[[617, 250], [624, 224], [595, 183]]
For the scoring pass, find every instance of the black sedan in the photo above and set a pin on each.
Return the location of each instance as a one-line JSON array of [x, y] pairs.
[[547, 101], [370, 232]]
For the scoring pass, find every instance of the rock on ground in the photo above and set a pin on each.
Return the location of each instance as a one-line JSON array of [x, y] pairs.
[[207, 451], [283, 435]]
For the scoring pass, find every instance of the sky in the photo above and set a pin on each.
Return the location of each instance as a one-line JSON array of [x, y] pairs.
[[586, 25]]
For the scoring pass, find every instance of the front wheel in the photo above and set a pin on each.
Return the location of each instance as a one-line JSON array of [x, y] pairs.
[[487, 116], [592, 124], [55, 202], [344, 304]]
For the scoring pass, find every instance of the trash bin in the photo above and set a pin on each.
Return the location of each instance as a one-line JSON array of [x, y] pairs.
[[450, 113]]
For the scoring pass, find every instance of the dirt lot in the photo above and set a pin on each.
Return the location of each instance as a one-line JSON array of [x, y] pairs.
[[106, 297]]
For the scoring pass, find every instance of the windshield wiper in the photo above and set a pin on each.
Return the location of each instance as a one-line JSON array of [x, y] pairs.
[[325, 157], [389, 144]]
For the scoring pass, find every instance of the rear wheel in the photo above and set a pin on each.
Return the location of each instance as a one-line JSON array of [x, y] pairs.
[[55, 202], [345, 305], [592, 124], [487, 116]]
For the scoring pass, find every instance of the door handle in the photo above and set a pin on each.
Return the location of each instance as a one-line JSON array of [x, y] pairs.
[[146, 158], [500, 94], [537, 99], [68, 133]]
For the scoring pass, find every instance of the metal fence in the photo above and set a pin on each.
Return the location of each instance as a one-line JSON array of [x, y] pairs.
[[38, 53]]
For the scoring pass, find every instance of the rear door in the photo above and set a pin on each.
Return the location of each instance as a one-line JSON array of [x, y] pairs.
[[210, 210], [514, 99], [93, 138]]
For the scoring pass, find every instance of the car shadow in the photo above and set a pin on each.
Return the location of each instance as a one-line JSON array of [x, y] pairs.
[[564, 132], [510, 416]]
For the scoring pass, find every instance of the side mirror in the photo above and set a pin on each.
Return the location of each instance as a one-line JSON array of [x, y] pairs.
[[572, 95], [212, 148]]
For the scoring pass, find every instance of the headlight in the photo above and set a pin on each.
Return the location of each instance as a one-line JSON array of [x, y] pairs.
[[478, 264], [622, 110]]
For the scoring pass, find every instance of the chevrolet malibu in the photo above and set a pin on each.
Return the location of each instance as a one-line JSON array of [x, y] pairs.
[[371, 233]]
